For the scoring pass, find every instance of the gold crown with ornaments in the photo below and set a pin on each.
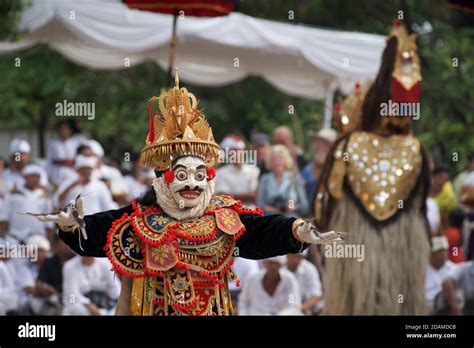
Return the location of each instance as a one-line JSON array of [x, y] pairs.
[[180, 129]]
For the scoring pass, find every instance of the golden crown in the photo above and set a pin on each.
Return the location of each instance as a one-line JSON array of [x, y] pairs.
[[180, 130], [407, 68]]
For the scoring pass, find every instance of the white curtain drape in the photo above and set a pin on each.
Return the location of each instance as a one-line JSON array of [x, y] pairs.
[[298, 60]]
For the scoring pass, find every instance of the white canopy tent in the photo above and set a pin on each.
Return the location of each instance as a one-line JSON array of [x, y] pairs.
[[298, 60]]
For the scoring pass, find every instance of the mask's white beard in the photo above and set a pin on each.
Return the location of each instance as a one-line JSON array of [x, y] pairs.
[[171, 207]]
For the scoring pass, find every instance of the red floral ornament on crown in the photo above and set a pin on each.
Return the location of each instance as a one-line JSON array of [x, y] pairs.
[[168, 176], [211, 173]]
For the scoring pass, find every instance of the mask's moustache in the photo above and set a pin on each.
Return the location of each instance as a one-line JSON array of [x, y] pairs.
[[187, 188]]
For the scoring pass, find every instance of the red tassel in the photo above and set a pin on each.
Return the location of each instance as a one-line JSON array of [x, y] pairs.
[[151, 132], [169, 176], [211, 173]]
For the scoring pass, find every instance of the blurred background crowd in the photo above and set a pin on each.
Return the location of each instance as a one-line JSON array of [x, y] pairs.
[[282, 180]]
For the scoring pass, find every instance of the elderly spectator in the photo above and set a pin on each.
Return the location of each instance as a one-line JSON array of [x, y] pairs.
[[272, 291], [283, 136], [237, 178], [281, 190]]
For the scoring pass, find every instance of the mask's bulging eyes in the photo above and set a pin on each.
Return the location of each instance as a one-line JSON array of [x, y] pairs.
[[181, 175], [200, 176]]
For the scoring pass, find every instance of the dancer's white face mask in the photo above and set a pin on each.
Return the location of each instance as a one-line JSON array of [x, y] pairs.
[[190, 180], [188, 195]]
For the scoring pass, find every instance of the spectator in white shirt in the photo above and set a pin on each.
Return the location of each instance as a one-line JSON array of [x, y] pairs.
[[109, 174], [20, 154], [138, 181], [308, 280], [89, 287], [237, 178], [97, 196], [28, 269], [439, 269], [61, 153], [9, 293], [243, 269], [460, 280], [28, 198], [272, 291]]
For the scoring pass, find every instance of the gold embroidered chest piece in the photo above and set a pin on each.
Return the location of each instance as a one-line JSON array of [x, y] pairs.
[[181, 268], [381, 171]]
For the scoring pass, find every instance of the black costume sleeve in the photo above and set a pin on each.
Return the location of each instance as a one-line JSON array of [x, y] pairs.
[[267, 236], [97, 226]]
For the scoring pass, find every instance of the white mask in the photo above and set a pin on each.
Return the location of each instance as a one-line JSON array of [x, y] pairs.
[[188, 195], [190, 180]]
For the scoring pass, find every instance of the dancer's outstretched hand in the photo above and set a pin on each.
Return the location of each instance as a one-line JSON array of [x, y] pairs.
[[308, 233], [68, 218]]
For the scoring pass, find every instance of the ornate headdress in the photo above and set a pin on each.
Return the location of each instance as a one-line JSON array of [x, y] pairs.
[[398, 82], [348, 114], [406, 75], [180, 130]]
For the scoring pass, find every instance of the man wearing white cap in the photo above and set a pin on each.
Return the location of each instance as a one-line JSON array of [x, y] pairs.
[[29, 197], [97, 196], [272, 291], [439, 269], [237, 178], [39, 248], [20, 154], [110, 174]]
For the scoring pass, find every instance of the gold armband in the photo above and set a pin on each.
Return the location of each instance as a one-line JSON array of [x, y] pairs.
[[297, 223]]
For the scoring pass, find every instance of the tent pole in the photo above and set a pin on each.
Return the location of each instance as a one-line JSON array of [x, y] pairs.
[[172, 50], [328, 106]]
